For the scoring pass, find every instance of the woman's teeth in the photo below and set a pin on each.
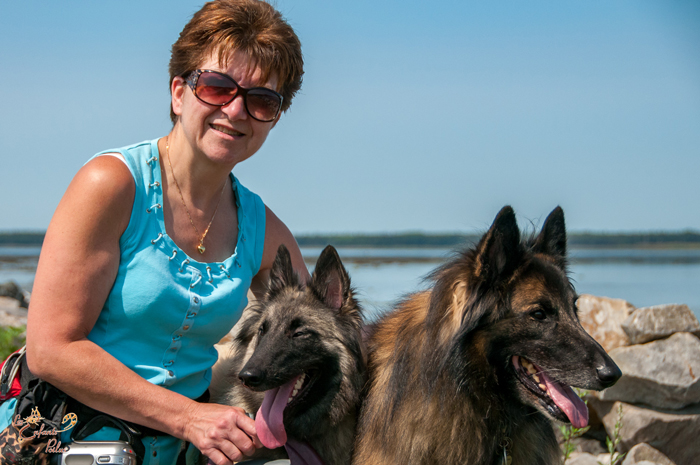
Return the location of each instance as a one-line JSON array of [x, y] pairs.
[[226, 130]]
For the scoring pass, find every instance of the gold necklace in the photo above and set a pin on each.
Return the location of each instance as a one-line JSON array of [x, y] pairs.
[[200, 247]]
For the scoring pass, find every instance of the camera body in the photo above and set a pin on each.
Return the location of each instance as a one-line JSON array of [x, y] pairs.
[[99, 453]]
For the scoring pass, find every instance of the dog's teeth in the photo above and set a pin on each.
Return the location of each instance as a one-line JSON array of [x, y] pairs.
[[289, 400], [536, 378], [299, 382], [531, 370], [295, 392], [543, 387]]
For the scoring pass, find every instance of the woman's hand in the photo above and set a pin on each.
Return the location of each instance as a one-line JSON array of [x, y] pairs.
[[224, 434]]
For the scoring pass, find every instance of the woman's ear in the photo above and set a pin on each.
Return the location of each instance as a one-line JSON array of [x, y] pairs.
[[177, 93]]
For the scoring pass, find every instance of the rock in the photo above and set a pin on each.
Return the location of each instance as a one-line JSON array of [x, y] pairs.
[[643, 453], [582, 459], [602, 317], [675, 433], [7, 303], [12, 290], [11, 314], [661, 374], [652, 323]]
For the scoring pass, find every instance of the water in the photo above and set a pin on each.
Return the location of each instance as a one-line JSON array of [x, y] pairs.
[[641, 284], [383, 276], [19, 264], [642, 277]]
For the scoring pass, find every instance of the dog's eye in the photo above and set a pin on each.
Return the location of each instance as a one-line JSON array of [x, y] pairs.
[[538, 315], [299, 334]]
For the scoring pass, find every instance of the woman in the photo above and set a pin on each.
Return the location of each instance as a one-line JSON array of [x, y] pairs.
[[148, 258]]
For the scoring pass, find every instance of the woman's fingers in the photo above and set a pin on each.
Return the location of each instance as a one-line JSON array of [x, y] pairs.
[[247, 425], [238, 442], [217, 458], [224, 434]]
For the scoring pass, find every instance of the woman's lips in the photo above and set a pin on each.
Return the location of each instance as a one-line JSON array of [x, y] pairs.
[[227, 130]]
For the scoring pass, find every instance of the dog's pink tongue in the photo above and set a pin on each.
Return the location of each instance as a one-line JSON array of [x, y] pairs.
[[269, 419], [567, 400]]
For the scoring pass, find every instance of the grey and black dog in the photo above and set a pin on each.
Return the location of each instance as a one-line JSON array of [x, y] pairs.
[[473, 369], [296, 359]]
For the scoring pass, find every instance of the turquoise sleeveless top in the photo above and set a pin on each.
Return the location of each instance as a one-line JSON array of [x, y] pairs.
[[166, 310]]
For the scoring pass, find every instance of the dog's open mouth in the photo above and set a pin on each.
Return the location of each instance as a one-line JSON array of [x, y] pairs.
[[269, 421], [559, 399], [301, 387]]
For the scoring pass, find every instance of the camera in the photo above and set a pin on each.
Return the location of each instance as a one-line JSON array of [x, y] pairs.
[[99, 453]]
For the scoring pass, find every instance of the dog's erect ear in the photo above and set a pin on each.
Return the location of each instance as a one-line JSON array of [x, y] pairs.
[[499, 251], [552, 239], [282, 273], [330, 282]]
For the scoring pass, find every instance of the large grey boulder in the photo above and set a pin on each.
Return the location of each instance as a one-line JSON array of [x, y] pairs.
[[676, 433], [644, 453], [661, 374], [602, 318], [660, 321]]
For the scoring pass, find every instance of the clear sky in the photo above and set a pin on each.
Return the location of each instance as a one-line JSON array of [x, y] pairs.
[[414, 115]]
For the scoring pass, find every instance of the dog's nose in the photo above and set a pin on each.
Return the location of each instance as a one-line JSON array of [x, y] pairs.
[[608, 374], [251, 378]]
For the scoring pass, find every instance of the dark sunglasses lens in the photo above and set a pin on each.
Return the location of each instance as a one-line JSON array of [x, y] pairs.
[[215, 89], [263, 104]]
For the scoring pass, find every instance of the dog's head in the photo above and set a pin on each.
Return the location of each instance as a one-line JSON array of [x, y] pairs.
[[307, 356], [512, 307]]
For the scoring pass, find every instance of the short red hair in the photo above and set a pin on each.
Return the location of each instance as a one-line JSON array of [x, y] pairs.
[[253, 27]]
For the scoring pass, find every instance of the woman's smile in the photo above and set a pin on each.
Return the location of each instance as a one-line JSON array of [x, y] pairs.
[[226, 130]]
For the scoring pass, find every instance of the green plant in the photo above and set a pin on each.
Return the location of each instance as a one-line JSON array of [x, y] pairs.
[[11, 339], [615, 457], [570, 432]]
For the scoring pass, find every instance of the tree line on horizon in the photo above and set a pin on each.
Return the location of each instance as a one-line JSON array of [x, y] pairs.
[[415, 239]]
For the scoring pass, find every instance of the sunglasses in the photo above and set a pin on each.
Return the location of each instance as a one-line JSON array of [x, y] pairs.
[[215, 88]]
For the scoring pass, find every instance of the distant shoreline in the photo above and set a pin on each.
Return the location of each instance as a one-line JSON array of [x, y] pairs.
[[586, 240]]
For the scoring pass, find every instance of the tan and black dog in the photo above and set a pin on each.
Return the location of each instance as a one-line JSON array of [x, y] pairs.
[[473, 370], [296, 360]]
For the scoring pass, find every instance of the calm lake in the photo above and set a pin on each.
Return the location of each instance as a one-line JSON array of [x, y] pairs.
[[381, 276]]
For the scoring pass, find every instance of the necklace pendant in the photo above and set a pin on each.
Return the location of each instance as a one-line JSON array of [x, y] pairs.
[[201, 248]]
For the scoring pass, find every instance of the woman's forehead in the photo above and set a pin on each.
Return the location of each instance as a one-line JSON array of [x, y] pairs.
[[241, 67]]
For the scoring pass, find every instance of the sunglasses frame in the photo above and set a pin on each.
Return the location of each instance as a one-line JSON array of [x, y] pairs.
[[193, 78]]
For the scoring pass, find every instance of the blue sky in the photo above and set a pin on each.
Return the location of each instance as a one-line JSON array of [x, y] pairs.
[[425, 116]]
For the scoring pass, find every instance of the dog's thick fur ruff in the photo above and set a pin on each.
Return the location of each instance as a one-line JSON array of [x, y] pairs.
[[312, 328], [446, 378]]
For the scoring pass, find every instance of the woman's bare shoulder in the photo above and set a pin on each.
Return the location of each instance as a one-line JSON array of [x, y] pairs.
[[98, 201]]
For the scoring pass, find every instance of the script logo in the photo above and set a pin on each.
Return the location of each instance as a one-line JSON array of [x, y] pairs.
[[35, 420]]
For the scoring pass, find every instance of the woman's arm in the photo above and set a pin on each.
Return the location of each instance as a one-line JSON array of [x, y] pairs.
[[77, 267], [276, 233]]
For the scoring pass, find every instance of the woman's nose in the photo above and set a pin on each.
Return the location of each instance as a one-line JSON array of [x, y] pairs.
[[235, 109]]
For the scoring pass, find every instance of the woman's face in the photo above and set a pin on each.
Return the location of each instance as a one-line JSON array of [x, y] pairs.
[[225, 135]]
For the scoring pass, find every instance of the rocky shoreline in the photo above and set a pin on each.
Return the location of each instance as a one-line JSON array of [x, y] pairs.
[[658, 350], [13, 305]]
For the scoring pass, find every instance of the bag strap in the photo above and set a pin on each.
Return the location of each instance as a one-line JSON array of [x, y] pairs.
[[10, 368]]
